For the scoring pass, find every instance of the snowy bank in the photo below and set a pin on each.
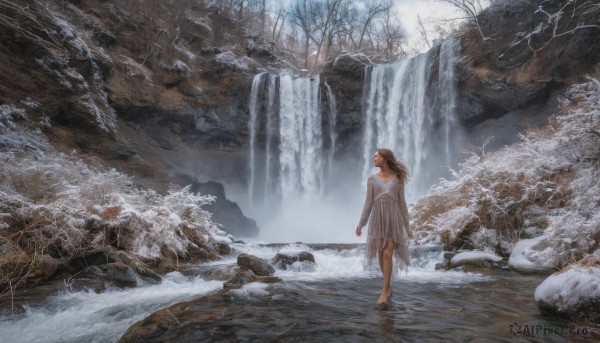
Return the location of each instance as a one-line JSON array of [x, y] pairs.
[[574, 291], [545, 184]]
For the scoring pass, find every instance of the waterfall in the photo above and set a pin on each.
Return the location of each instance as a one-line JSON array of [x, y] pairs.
[[285, 114], [331, 120], [409, 107], [252, 106]]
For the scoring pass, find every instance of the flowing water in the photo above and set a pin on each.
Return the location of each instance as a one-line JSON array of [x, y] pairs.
[[410, 108], [295, 179], [332, 301]]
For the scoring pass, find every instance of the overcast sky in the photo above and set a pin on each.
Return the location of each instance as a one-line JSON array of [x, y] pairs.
[[431, 11], [408, 10]]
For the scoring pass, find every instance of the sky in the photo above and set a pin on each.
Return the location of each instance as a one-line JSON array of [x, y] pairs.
[[431, 11], [408, 11]]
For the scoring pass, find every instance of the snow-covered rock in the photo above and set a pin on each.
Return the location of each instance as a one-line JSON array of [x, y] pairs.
[[527, 260], [351, 64], [575, 290], [477, 258]]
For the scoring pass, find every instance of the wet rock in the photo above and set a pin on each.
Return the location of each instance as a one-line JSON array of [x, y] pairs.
[[285, 258], [223, 249], [223, 273], [131, 261], [242, 277], [93, 258], [259, 266], [573, 291], [121, 274]]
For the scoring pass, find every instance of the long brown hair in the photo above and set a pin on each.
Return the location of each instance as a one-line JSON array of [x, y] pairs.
[[395, 166]]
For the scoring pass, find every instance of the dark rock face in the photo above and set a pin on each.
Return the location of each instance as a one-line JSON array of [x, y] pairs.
[[345, 75], [226, 212], [257, 265], [504, 74]]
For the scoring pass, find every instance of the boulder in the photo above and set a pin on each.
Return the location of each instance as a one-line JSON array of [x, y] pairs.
[[286, 258], [131, 261], [259, 266], [573, 291], [44, 267], [351, 65], [474, 259], [121, 274], [522, 257]]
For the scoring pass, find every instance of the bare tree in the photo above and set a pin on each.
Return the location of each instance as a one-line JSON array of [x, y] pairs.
[[561, 23], [471, 10], [304, 15], [423, 31], [390, 38], [374, 10]]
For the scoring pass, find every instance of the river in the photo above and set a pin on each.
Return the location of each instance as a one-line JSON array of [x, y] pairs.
[[332, 301]]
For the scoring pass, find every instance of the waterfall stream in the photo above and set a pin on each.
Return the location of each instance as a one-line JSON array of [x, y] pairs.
[[291, 137], [409, 107], [296, 185]]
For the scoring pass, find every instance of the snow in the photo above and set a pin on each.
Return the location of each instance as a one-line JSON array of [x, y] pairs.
[[570, 288], [519, 260], [63, 193], [545, 184], [242, 63], [358, 57], [30, 103], [180, 67], [467, 256], [106, 121], [203, 22]]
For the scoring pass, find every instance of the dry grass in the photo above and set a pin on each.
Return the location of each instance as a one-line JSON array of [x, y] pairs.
[[59, 207]]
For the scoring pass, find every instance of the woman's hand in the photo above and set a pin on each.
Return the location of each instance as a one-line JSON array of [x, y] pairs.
[[358, 230]]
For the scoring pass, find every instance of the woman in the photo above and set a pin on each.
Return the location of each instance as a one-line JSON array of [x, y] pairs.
[[388, 228]]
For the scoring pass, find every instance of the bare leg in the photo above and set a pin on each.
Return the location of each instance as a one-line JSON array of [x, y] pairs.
[[385, 258]]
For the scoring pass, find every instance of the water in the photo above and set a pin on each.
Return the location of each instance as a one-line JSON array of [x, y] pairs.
[[332, 302], [285, 125], [297, 183], [89, 316], [409, 107]]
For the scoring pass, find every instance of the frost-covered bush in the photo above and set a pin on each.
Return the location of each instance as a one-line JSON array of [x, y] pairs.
[[545, 184], [57, 205]]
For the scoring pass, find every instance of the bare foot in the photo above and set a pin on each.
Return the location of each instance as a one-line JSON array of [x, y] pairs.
[[384, 298]]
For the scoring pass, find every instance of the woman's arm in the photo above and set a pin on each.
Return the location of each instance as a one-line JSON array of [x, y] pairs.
[[368, 204], [404, 211]]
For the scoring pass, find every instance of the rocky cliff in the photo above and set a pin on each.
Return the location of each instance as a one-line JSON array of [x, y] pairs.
[[150, 91], [165, 97]]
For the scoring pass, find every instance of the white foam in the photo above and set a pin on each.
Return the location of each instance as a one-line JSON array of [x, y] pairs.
[[99, 317]]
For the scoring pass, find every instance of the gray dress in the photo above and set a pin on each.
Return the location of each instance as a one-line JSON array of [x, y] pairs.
[[388, 213]]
